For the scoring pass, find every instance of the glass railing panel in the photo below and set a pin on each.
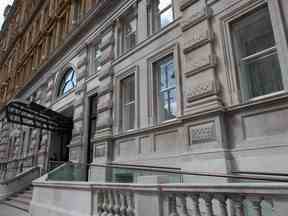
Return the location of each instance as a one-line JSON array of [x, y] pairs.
[[132, 175], [68, 172]]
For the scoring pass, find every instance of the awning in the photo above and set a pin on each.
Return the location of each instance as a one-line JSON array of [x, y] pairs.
[[37, 116]]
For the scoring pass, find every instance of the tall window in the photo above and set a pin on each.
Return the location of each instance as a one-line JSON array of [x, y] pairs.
[[97, 58], [165, 79], [127, 31], [128, 102], [256, 54], [160, 14], [68, 82]]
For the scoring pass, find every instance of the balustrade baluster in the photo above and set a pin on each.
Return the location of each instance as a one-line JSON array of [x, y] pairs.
[[238, 205], [99, 202], [105, 204], [222, 204], [184, 205], [130, 204], [173, 205], [123, 204], [111, 203], [195, 205], [256, 204], [208, 204], [117, 203]]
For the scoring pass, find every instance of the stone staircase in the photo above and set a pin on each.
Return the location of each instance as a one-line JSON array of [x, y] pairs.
[[20, 202]]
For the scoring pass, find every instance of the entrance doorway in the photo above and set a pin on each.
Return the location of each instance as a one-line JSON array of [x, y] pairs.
[[59, 151]]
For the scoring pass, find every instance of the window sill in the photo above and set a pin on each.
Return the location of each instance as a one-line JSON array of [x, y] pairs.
[[147, 41], [160, 126], [260, 101]]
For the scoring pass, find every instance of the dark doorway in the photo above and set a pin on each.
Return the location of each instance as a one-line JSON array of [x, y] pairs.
[[59, 150]]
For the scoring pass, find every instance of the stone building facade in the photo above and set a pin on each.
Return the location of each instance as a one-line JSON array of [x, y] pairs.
[[195, 84]]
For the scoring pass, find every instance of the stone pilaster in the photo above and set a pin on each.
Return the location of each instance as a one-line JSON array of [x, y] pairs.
[[77, 143], [102, 141], [200, 83]]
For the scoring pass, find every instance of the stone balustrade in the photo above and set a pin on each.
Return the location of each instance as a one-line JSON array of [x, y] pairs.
[[229, 199], [115, 202]]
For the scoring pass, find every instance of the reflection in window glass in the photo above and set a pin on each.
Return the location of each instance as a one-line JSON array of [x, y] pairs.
[[97, 58], [166, 88], [256, 53], [68, 82]]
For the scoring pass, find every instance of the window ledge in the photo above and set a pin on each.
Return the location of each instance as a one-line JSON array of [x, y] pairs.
[[147, 41], [260, 101], [159, 126]]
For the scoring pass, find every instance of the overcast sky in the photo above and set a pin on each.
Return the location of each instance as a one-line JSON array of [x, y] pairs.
[[3, 4]]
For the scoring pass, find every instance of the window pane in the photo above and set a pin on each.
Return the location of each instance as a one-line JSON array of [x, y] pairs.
[[166, 18], [172, 102], [164, 106], [98, 55], [129, 117], [253, 33], [164, 4], [167, 88], [68, 82], [262, 76], [128, 89], [171, 74], [128, 102], [257, 58], [167, 105]]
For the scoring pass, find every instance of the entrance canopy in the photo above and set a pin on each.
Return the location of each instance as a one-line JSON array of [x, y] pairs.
[[37, 116]]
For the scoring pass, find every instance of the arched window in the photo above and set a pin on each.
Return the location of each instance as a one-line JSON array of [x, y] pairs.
[[68, 82]]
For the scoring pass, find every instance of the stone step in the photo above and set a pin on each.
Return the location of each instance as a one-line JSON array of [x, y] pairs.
[[7, 210], [17, 205], [24, 195], [21, 200]]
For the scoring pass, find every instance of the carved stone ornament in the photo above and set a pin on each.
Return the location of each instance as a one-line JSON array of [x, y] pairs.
[[203, 133], [202, 90], [200, 64], [197, 40]]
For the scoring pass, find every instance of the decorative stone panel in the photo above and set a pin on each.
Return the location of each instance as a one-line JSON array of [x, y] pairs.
[[196, 18], [203, 133], [202, 90], [198, 39], [198, 65]]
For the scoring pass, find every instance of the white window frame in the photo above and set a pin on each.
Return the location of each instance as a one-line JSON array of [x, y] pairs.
[[118, 111], [124, 123], [153, 108], [280, 45]]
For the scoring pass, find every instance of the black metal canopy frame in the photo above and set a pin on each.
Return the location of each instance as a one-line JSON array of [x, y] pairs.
[[37, 116]]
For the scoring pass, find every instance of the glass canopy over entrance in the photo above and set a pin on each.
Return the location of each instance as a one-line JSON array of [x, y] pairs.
[[35, 115]]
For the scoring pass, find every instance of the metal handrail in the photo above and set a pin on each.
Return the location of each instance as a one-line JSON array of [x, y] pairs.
[[260, 173], [181, 172]]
